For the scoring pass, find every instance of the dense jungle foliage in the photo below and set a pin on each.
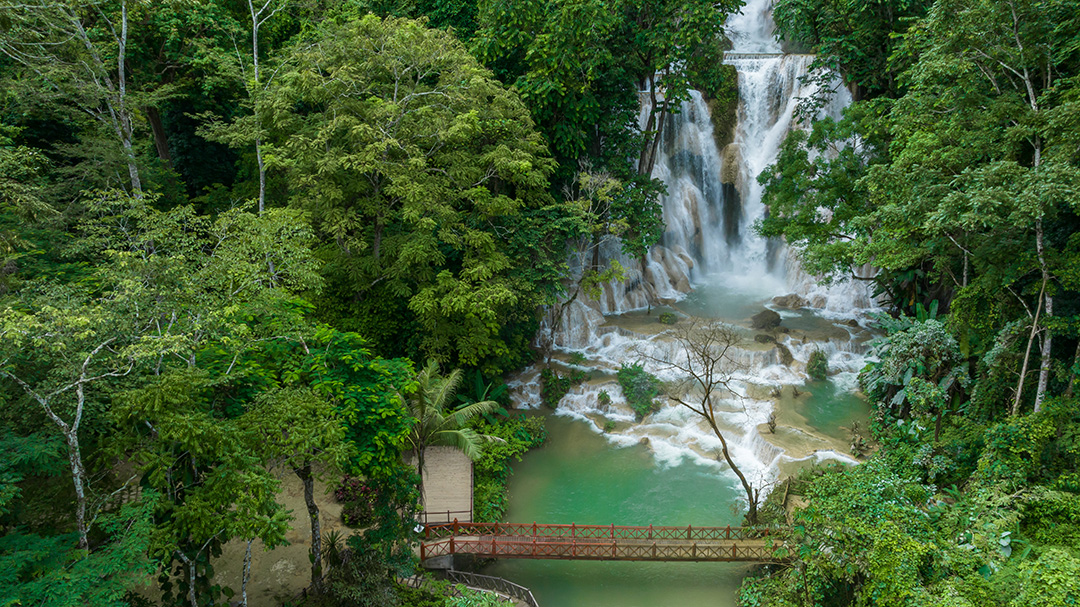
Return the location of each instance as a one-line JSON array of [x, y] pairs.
[[246, 240], [222, 218], [957, 174]]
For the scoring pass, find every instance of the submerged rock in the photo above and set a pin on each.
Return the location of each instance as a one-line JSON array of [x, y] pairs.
[[765, 320], [785, 355], [790, 301], [762, 338]]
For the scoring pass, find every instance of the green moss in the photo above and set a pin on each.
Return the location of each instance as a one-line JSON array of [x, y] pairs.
[[719, 85]]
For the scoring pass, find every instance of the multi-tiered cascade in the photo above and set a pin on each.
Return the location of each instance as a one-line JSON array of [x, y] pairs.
[[712, 264]]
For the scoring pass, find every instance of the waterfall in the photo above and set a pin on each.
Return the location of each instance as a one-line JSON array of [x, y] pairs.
[[711, 263]]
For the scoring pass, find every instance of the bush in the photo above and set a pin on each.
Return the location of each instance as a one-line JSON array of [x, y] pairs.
[[492, 470], [667, 318], [818, 366], [358, 500], [553, 387], [641, 389], [609, 426]]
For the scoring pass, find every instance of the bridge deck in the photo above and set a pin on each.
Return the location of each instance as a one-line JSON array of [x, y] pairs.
[[601, 542]]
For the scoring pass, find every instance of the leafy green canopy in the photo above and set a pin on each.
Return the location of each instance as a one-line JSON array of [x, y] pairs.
[[416, 167]]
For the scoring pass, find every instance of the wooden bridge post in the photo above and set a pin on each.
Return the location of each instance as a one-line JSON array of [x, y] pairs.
[[650, 537], [573, 530], [451, 544], [693, 550], [455, 525], [613, 532], [689, 530], [727, 532], [534, 531]]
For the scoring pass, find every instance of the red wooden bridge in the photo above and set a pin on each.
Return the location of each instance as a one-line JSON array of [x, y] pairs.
[[602, 542]]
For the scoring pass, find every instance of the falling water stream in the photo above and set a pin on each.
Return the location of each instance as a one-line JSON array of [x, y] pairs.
[[602, 466]]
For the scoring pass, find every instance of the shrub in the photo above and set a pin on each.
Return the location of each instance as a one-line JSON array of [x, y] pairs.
[[492, 470], [641, 389], [818, 365], [609, 426], [667, 318], [553, 387], [358, 500], [603, 398]]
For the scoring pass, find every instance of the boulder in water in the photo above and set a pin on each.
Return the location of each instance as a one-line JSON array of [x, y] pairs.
[[790, 301], [730, 171], [762, 338], [765, 320], [785, 355]]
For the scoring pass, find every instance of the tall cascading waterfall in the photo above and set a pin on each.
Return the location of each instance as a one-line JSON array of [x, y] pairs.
[[710, 263]]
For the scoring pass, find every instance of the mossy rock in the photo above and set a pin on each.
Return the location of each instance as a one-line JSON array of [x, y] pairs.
[[818, 365], [765, 320]]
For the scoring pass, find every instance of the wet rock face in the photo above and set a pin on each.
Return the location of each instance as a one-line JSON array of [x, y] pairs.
[[765, 320], [790, 302], [785, 355]]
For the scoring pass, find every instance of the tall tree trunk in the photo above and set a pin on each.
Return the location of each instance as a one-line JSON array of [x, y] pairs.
[[246, 575], [78, 475], [161, 139], [316, 531], [1048, 302], [751, 498], [1027, 351], [123, 112], [262, 173]]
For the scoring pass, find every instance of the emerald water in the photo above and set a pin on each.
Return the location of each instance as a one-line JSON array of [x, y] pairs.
[[579, 477]]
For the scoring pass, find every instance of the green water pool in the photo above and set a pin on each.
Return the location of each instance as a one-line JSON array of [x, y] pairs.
[[579, 477]]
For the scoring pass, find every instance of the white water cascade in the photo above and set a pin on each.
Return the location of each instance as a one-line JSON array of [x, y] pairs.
[[711, 264]]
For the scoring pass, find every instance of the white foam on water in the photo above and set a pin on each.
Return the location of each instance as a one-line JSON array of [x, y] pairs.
[[709, 243]]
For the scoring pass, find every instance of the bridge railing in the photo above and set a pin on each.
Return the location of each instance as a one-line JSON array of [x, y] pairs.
[[612, 532], [601, 550]]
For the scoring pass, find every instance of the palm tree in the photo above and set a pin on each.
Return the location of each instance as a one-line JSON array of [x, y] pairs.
[[435, 425]]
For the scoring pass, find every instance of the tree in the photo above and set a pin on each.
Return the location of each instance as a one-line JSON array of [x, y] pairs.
[[300, 430], [167, 286], [80, 343], [213, 482], [666, 37], [706, 363], [78, 51], [968, 151], [435, 425], [46, 570], [414, 165]]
